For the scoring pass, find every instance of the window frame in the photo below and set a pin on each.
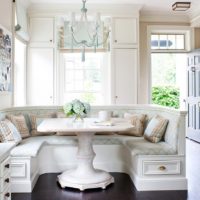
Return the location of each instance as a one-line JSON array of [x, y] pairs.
[[167, 48], [105, 80], [151, 29]]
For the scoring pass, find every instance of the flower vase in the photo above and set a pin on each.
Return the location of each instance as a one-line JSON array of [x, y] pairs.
[[78, 118]]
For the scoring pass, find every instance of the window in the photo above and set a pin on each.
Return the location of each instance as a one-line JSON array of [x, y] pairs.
[[87, 80], [19, 75], [168, 64], [168, 41]]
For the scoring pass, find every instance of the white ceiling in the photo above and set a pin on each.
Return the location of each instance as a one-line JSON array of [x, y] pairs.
[[147, 5]]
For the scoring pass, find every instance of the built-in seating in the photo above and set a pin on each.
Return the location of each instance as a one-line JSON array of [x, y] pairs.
[[152, 166]]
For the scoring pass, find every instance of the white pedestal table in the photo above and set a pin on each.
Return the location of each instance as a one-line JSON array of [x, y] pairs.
[[84, 176]]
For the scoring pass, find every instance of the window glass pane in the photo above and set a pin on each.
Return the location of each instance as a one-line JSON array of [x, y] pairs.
[[154, 41], [85, 80], [167, 41], [171, 42], [78, 85], [163, 41], [180, 44], [78, 75]]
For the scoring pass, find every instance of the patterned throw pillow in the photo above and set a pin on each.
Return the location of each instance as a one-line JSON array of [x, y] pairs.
[[60, 114], [20, 123], [155, 129], [36, 120], [8, 132], [138, 121]]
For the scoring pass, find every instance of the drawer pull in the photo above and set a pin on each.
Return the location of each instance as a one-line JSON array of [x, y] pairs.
[[7, 194], [7, 166], [7, 180], [162, 168]]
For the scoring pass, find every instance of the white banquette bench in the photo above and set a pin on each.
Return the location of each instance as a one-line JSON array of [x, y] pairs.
[[151, 166]]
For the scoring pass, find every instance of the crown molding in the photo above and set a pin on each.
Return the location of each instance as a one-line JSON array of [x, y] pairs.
[[104, 9], [195, 17], [151, 16]]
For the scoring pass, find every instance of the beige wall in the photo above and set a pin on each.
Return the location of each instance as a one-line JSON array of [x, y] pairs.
[[6, 13], [143, 96], [197, 38], [6, 21]]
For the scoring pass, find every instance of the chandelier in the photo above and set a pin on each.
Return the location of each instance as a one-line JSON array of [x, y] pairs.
[[84, 33]]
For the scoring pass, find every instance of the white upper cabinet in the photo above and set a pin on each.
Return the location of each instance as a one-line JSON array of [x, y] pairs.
[[125, 31], [40, 81], [42, 31], [125, 76]]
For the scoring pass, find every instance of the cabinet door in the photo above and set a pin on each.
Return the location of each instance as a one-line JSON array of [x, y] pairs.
[[40, 76], [125, 76], [42, 30], [125, 31]]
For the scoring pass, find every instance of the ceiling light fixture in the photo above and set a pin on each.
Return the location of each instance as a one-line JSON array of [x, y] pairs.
[[87, 34], [181, 6]]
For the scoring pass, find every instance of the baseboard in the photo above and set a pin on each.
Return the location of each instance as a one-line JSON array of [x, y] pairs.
[[155, 184], [24, 186], [160, 184]]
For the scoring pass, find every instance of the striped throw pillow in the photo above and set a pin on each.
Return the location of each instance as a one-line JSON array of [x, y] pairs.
[[155, 129]]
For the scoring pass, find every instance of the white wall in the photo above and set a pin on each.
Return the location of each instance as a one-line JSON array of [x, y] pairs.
[[6, 21]]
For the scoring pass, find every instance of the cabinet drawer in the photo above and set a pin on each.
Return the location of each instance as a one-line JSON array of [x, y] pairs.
[[161, 167], [6, 195], [4, 182], [5, 167]]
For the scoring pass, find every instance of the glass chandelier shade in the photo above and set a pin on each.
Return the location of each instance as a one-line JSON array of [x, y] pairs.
[[84, 33]]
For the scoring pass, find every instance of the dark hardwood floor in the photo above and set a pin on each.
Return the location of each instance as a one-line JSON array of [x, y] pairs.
[[123, 188]]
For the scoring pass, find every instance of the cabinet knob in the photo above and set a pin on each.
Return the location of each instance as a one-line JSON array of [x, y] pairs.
[[7, 194], [51, 40], [7, 180], [115, 41], [162, 168], [7, 166], [116, 97]]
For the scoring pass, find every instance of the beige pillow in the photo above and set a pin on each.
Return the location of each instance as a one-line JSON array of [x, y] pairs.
[[155, 129], [5, 132], [138, 121], [20, 123], [36, 120], [60, 114], [8, 132]]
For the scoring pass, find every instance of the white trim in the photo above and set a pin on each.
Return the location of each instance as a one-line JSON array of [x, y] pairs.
[[189, 44], [64, 9], [166, 17]]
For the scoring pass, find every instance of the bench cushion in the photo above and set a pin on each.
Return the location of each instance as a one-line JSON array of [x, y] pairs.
[[31, 146], [140, 146]]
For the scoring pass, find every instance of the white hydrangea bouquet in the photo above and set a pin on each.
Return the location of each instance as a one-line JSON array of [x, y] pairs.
[[77, 109]]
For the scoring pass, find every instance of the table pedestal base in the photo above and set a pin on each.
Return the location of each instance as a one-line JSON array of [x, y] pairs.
[[73, 179], [85, 176]]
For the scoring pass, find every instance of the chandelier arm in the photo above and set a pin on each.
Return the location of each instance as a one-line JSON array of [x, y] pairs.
[[104, 41]]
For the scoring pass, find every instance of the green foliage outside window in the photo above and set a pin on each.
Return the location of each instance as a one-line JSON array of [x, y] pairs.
[[166, 96]]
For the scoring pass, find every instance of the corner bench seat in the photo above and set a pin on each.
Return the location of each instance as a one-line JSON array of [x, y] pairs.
[[140, 146], [30, 147], [151, 166]]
